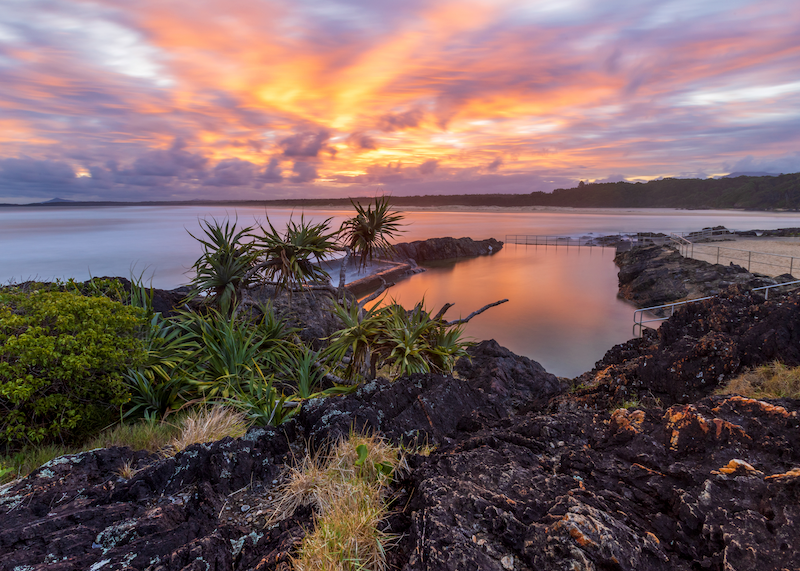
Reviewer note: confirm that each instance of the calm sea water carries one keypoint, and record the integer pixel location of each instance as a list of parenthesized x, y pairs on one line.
[(563, 309)]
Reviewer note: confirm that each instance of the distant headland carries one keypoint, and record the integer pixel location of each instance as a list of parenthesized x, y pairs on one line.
[(745, 192)]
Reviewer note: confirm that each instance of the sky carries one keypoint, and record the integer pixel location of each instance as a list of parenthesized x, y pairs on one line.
[(265, 99)]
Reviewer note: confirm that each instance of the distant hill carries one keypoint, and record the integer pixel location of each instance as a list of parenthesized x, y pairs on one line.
[(751, 173), (745, 192), (780, 192)]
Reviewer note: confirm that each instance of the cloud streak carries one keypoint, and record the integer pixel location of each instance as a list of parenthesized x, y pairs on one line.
[(152, 100)]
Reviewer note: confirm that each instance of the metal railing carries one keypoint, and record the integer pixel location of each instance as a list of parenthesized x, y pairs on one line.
[(722, 254), (640, 322), (541, 240)]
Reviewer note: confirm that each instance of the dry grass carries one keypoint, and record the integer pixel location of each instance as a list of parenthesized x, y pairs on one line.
[(137, 436), (775, 380), (346, 487), (127, 470), (209, 424)]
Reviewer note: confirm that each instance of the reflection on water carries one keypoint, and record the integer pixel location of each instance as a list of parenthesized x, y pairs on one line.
[(563, 309), (64, 242), (563, 312)]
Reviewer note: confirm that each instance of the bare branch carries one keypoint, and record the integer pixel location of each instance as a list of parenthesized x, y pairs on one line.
[(442, 311), (252, 271), (474, 313), (342, 269)]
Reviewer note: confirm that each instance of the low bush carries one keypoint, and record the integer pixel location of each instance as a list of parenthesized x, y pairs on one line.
[(62, 361)]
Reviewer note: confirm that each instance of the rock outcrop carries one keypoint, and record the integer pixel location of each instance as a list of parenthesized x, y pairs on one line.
[(710, 485), (434, 409), (445, 249), (714, 485), (704, 344), (655, 275)]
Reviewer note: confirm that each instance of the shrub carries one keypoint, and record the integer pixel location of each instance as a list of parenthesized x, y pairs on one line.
[(223, 271), (390, 336), (62, 360)]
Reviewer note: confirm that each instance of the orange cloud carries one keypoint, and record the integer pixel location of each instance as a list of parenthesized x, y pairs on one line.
[(331, 94)]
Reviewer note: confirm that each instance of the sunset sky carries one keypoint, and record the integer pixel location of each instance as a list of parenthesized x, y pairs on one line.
[(174, 99)]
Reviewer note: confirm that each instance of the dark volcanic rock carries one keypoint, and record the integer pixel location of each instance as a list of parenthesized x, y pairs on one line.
[(708, 486), (436, 408), (655, 275), (445, 249), (78, 513), (704, 344)]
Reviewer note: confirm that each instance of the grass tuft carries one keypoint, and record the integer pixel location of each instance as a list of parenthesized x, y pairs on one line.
[(127, 471), (775, 380), (347, 488), (152, 437), (209, 424)]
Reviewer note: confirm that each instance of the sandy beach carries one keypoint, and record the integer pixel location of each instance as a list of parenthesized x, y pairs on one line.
[(770, 256)]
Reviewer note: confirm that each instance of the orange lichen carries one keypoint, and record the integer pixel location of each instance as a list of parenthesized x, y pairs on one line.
[(646, 469), (790, 475), (625, 420), (737, 467), (757, 404), (580, 538), (683, 418)]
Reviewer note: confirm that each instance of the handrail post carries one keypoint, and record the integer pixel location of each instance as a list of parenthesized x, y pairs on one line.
[(749, 256), (717, 254)]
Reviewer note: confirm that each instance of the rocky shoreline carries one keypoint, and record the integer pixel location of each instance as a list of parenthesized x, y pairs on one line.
[(655, 275), (406, 257), (635, 465)]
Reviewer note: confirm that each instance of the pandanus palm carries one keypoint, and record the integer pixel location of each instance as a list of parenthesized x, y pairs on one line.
[(223, 270), (368, 233), (291, 260)]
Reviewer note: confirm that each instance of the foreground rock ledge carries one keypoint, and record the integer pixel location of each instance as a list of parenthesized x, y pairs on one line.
[(712, 484)]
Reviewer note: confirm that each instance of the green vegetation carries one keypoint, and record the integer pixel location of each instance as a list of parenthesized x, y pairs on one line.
[(774, 381), (223, 270), (63, 357), (743, 192), (369, 232), (290, 260), (78, 357), (391, 337)]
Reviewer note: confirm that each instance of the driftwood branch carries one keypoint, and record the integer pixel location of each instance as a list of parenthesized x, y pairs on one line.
[(442, 311), (474, 313)]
